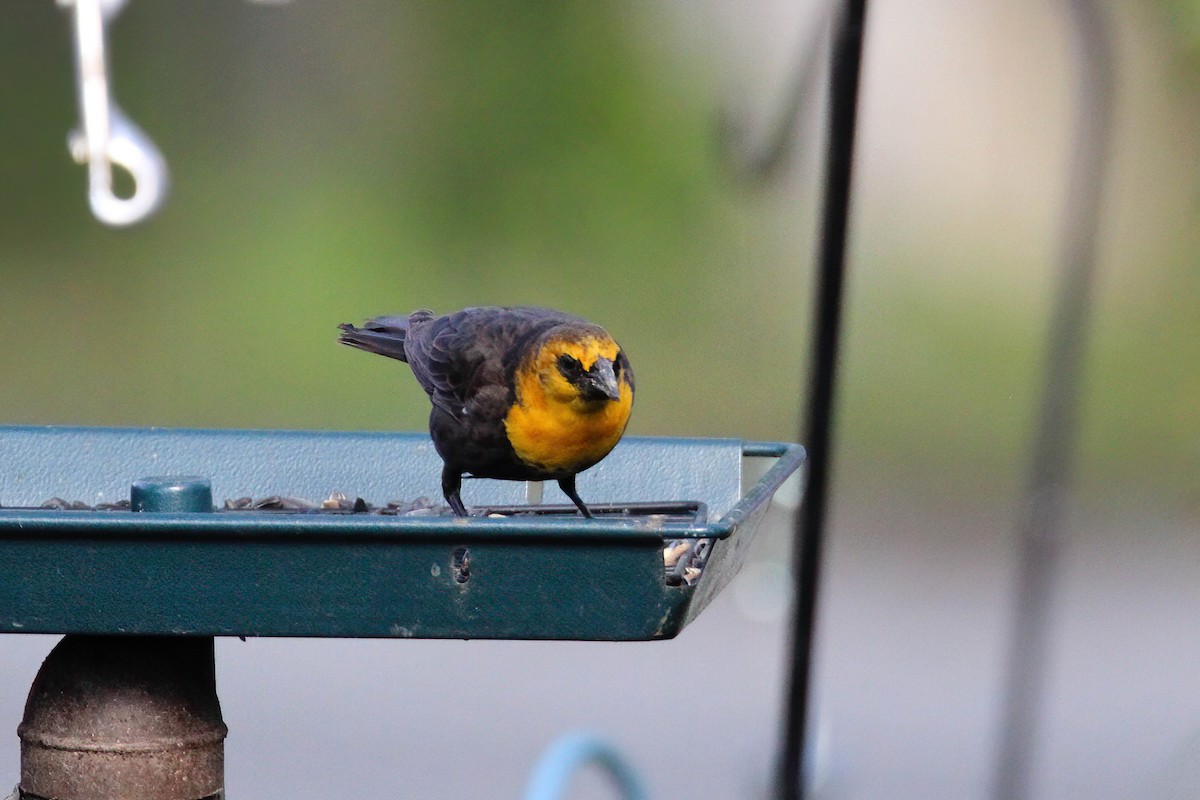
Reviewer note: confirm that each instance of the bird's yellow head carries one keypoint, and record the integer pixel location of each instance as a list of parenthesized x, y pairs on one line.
[(584, 372), (574, 393)]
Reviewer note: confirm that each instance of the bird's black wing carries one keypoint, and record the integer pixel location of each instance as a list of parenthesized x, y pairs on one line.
[(460, 355), (426, 341)]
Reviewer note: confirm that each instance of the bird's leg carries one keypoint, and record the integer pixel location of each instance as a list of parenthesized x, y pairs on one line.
[(451, 486), (567, 484)]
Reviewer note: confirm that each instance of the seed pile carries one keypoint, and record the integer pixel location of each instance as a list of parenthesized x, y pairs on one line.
[(683, 559), (79, 505), (338, 502)]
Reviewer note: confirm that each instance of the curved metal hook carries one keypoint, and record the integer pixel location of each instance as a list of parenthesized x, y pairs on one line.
[(107, 137), (127, 147), (762, 154)]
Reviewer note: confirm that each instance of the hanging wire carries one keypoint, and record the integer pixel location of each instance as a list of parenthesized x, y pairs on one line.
[(846, 60), (1048, 489)]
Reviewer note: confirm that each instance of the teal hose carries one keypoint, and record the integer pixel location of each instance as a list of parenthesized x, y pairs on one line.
[(571, 753)]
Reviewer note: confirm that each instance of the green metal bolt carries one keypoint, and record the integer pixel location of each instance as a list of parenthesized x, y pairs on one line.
[(173, 494)]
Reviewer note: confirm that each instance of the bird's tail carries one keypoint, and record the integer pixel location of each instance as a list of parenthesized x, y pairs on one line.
[(382, 335)]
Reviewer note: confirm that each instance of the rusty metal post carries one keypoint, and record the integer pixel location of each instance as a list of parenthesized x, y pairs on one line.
[(128, 717), (124, 718)]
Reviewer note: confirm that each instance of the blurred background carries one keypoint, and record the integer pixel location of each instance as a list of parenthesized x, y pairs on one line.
[(332, 162)]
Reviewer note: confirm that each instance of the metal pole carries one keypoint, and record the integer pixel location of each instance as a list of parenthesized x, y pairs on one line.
[(1048, 489), (810, 521), (114, 717)]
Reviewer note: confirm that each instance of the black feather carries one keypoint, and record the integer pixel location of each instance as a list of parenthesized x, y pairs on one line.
[(384, 341)]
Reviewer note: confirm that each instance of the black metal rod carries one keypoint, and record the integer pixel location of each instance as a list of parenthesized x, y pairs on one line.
[(1047, 492), (846, 59)]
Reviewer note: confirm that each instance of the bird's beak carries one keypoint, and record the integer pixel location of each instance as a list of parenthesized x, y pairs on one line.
[(602, 382)]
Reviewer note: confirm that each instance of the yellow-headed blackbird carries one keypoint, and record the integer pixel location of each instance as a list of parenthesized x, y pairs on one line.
[(518, 393)]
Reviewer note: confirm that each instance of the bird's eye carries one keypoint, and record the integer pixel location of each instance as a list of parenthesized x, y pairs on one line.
[(617, 364), (569, 365)]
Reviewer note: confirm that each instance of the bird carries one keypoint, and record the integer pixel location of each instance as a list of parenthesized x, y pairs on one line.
[(517, 392)]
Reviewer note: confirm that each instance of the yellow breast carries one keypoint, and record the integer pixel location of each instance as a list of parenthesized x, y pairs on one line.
[(553, 429)]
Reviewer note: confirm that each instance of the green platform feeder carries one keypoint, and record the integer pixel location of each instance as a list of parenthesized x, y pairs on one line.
[(127, 531)]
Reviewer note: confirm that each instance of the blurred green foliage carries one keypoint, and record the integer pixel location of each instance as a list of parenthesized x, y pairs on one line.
[(409, 155), (334, 162)]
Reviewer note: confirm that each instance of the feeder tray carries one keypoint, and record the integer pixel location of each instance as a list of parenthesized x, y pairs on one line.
[(528, 572)]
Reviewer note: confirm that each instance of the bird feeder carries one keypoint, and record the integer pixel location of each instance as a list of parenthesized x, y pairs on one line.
[(157, 535), (82, 555)]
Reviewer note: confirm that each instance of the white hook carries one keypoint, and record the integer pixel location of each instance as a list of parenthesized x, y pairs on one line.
[(106, 136)]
